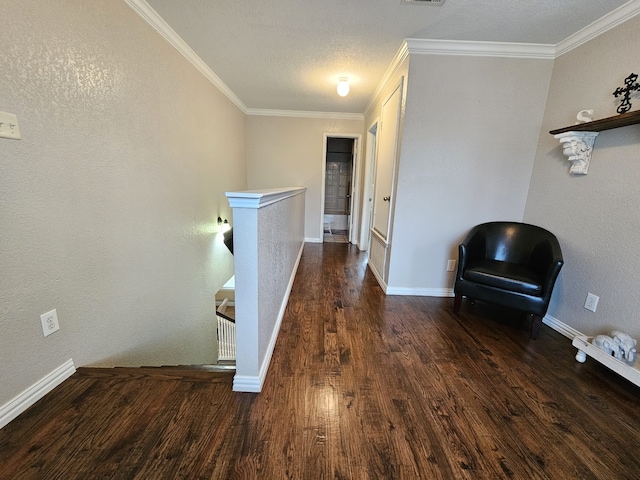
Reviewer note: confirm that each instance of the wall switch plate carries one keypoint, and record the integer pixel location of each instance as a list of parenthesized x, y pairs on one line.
[(9, 126), (49, 322), (592, 302), (451, 265)]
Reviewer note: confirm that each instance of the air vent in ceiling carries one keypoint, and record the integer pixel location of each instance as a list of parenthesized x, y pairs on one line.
[(436, 3)]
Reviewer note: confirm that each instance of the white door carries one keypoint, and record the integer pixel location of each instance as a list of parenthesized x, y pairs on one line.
[(385, 162)]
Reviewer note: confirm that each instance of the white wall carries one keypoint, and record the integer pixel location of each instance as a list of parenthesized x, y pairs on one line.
[(268, 242), (469, 140), (596, 217), (109, 201), (286, 151)]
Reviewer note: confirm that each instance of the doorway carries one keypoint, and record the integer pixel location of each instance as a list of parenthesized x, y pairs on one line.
[(338, 189)]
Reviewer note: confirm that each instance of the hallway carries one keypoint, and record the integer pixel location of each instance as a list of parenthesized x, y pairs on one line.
[(360, 386)]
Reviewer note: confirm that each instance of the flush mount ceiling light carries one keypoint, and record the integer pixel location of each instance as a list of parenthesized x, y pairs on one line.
[(343, 86)]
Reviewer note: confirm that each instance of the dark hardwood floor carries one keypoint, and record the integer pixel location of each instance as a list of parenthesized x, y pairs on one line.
[(361, 386)]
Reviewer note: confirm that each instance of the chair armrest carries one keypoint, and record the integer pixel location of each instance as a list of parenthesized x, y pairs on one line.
[(473, 247), (547, 260)]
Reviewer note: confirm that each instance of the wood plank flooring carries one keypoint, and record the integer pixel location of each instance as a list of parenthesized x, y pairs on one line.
[(361, 386)]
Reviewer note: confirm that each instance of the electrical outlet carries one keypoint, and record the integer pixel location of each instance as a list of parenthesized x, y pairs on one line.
[(49, 322), (592, 302), (451, 265), (9, 126)]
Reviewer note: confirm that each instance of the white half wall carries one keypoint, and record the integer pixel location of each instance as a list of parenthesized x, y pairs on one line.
[(268, 238)]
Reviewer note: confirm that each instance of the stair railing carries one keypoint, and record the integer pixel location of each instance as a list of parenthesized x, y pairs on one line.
[(226, 334)]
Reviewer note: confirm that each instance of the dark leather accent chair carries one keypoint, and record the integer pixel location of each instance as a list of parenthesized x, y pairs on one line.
[(510, 264)]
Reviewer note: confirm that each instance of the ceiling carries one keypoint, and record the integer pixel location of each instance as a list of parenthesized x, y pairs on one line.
[(288, 54)]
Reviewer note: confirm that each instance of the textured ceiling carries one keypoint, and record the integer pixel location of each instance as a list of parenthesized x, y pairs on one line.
[(288, 54)]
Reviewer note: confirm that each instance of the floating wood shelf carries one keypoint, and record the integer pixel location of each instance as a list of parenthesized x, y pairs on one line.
[(617, 121)]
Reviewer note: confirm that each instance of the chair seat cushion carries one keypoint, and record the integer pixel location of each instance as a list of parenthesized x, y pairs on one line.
[(505, 275)]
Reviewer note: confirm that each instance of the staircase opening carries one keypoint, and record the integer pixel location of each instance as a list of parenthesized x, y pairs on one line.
[(226, 338), (225, 314)]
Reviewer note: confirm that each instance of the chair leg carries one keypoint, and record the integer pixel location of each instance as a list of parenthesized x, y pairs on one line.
[(457, 301), (535, 326)]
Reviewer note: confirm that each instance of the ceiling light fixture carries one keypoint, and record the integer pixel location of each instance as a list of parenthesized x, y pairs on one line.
[(343, 86)]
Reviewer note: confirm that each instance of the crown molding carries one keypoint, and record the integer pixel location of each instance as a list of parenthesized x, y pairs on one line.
[(401, 55), (480, 49), (259, 112), (409, 46), (148, 14), (600, 26)]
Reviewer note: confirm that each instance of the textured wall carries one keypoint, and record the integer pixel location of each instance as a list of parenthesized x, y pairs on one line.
[(109, 201), (468, 146), (285, 152), (595, 217), (267, 242)]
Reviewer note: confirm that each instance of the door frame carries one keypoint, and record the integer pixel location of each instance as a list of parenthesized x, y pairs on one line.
[(369, 179), (355, 206), (394, 160)]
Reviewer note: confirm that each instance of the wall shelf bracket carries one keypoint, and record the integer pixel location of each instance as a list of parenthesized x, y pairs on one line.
[(577, 140), (578, 147)]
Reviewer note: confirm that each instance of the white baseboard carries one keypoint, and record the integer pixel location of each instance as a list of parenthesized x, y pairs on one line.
[(35, 392), (313, 240), (420, 292), (561, 327), (378, 276), (247, 383)]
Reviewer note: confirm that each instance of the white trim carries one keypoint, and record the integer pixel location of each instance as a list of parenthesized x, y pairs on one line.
[(367, 182), (356, 195), (410, 45), (313, 240), (261, 198), (248, 383), (379, 235), (149, 15), (357, 143), (378, 276), (304, 114), (480, 49), (420, 292), (35, 392), (561, 327), (600, 26), (400, 57)]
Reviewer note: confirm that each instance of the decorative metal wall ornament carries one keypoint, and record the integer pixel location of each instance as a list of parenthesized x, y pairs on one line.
[(630, 86)]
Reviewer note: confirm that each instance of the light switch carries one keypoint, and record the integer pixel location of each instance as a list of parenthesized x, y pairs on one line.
[(9, 126)]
